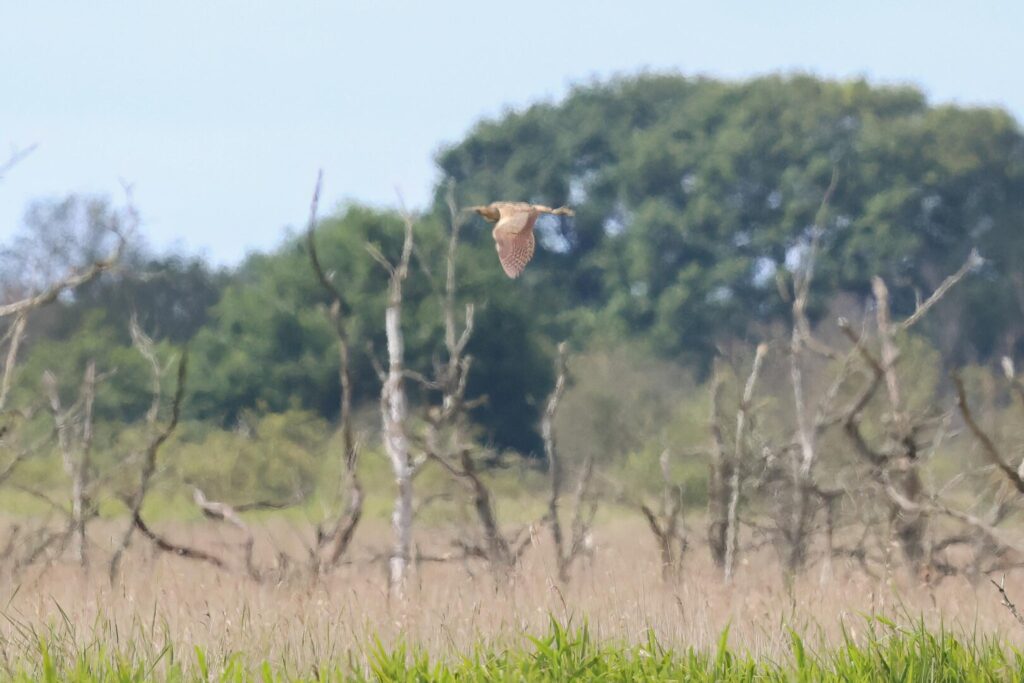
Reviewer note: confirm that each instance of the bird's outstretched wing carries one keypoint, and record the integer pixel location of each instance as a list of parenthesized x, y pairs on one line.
[(513, 237), (515, 249)]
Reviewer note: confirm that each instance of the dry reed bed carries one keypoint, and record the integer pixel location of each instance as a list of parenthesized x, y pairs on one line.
[(161, 600)]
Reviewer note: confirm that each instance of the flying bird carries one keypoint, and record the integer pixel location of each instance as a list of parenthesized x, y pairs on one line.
[(513, 234)]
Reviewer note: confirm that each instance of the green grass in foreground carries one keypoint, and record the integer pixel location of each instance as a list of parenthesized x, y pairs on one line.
[(890, 653)]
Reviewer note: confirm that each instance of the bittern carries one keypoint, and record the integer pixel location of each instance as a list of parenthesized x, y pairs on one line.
[(513, 234)]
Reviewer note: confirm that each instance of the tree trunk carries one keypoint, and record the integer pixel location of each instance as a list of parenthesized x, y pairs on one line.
[(719, 473), (803, 468), (394, 409), (497, 548), (80, 481)]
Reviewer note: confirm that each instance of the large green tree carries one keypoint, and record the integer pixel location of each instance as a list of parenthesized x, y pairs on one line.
[(692, 193)]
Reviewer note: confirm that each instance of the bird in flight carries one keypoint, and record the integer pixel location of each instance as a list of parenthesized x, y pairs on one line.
[(513, 232)]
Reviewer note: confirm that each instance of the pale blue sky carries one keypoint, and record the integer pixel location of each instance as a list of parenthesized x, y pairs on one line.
[(220, 112)]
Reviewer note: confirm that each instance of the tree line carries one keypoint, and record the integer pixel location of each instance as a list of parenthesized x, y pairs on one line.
[(694, 199), (846, 247)]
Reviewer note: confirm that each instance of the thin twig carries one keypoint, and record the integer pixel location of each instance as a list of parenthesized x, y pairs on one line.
[(1007, 603)]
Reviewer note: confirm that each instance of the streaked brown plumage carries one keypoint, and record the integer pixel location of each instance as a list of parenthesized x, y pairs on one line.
[(513, 232)]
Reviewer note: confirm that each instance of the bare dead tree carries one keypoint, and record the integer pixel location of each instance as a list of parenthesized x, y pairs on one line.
[(667, 523), (584, 504), (451, 376), (394, 412), (74, 428), (158, 435), (343, 530), (19, 311), (742, 424), (910, 525), (803, 485), (75, 447), (895, 465)]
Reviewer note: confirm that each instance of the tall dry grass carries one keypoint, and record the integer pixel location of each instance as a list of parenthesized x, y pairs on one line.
[(162, 600)]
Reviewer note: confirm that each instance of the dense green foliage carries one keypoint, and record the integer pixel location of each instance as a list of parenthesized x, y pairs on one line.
[(693, 197), (691, 194), (887, 653)]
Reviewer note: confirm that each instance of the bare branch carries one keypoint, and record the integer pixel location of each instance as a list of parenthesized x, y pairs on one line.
[(14, 337), (742, 419), (889, 353), (219, 511), (75, 279), (39, 495), (987, 445), (378, 256), (173, 548), (17, 156), (23, 455), (973, 261), (804, 275), (144, 345), (326, 282), (149, 456)]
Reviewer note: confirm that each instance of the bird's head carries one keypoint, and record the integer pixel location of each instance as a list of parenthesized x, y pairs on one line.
[(488, 212)]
